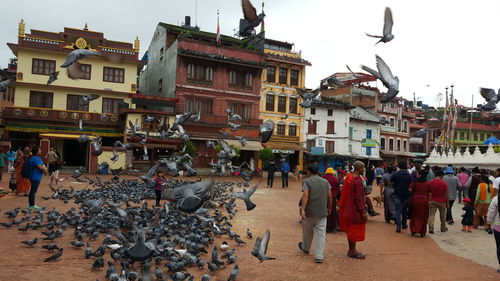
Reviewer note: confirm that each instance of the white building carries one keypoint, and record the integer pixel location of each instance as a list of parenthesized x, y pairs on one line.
[(364, 134)]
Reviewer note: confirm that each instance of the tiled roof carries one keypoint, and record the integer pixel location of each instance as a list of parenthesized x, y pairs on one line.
[(331, 103), (476, 126), (364, 115)]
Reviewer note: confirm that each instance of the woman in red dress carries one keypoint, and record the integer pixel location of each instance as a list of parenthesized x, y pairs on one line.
[(23, 185), (331, 224), (420, 204)]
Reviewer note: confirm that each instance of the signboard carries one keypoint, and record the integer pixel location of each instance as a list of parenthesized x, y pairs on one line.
[(317, 150), (416, 140), (283, 151), (368, 143)]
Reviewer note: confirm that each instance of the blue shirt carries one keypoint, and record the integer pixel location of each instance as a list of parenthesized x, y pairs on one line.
[(2, 160), (285, 167), (35, 174), (11, 155), (401, 183)]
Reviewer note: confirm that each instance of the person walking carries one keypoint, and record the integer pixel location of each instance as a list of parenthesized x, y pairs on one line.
[(430, 172), (316, 205), (388, 193), (401, 180), (468, 216), (271, 169), (352, 210), (159, 183), (285, 170), (453, 185), (37, 169), (11, 158), (438, 201), (379, 173), (473, 183), (496, 181), (23, 184), (54, 166), (419, 204), (332, 219), (2, 163), (493, 219), (482, 201), (463, 178)]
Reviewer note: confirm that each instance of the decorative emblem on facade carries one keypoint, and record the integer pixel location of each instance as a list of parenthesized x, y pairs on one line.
[(86, 116), (75, 115), (17, 111), (81, 43), (104, 117), (30, 112), (63, 115), (44, 113), (114, 118)]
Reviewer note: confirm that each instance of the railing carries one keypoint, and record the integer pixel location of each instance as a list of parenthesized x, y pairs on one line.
[(57, 115), (281, 138)]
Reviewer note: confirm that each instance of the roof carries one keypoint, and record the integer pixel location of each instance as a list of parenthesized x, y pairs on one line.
[(288, 59), (202, 34), (331, 103), (362, 114), (416, 126), (476, 127)]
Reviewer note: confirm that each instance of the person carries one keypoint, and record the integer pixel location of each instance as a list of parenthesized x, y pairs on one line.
[(23, 184), (11, 158), (331, 222), (271, 169), (2, 163), (414, 172), (285, 169), (54, 167), (379, 173), (388, 193), (352, 211), (159, 183), (463, 178), (438, 201), (493, 219), (420, 204), (482, 201), (401, 180), (430, 172), (473, 183), (37, 169), (468, 216), (496, 182), (316, 205), (453, 184)]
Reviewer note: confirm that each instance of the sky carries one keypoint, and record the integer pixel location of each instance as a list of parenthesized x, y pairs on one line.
[(437, 43)]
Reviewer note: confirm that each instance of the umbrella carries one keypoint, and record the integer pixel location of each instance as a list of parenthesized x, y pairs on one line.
[(491, 140)]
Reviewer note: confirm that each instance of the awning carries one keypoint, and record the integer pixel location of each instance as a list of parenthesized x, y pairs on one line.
[(157, 146), (284, 146), (250, 146), (395, 153), (63, 136), (203, 138)]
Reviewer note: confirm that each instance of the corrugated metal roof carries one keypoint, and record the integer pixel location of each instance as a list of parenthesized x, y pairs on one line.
[(362, 114)]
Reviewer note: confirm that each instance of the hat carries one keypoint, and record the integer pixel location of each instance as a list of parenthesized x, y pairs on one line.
[(26, 150), (448, 170), (330, 171), (467, 200)]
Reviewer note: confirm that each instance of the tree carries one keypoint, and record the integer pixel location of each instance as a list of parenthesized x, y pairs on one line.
[(266, 155), (190, 148)]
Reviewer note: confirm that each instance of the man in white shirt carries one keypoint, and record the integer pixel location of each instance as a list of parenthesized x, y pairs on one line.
[(496, 181)]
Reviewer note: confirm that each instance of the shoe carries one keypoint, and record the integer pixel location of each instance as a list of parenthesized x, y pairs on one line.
[(35, 207), (413, 234), (398, 229), (330, 231), (444, 230), (404, 226), (300, 247), (498, 270), (490, 231), (318, 261), (464, 230), (431, 231)]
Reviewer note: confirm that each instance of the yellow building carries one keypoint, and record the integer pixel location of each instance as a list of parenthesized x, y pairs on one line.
[(48, 114), (285, 72)]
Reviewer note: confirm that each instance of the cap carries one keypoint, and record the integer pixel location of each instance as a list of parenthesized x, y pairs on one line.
[(330, 171)]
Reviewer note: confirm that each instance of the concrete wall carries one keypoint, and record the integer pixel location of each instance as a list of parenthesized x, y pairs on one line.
[(360, 128), (107, 155), (341, 136)]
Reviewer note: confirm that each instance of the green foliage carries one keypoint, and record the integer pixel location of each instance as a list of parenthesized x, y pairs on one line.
[(218, 148), (496, 149), (266, 155), (190, 148)]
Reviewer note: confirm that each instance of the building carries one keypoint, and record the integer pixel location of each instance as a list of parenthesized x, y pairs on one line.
[(198, 75), (285, 72), (47, 115), (467, 134), (364, 135)]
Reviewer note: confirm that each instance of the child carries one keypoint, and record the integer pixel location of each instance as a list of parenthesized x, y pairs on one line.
[(468, 216), (160, 182)]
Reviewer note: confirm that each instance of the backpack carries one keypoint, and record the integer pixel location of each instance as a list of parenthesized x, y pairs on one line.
[(26, 170)]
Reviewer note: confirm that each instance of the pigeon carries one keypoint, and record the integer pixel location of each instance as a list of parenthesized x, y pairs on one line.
[(260, 248), (284, 117), (332, 82), (3, 85), (97, 145), (249, 234), (307, 97), (159, 273), (231, 259), (224, 246), (233, 274), (85, 100), (78, 55), (52, 77), (123, 146), (77, 244), (83, 138), (87, 251), (77, 173), (111, 269), (115, 156), (148, 177), (385, 75), (55, 256), (79, 124), (133, 128), (50, 247), (243, 141), (235, 117), (195, 118), (150, 119), (491, 98), (245, 196), (266, 131), (205, 277), (238, 240), (234, 127), (251, 19), (31, 242), (387, 32)]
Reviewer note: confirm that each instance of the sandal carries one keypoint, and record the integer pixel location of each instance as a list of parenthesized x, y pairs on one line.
[(356, 255)]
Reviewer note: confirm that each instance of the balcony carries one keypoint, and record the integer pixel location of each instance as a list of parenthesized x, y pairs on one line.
[(283, 138)]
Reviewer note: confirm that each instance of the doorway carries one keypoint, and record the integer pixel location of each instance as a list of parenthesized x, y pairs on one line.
[(74, 154)]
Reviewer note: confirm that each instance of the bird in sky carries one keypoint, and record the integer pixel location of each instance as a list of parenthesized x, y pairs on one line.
[(387, 31)]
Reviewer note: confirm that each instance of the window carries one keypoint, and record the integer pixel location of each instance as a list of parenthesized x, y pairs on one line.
[(399, 145), (41, 99), (271, 74), (294, 77), (209, 74), (111, 105), (191, 74), (475, 136), (330, 112), (310, 144), (292, 130), (282, 104), (269, 102), (368, 134), (161, 54), (43, 67), (399, 125), (392, 105), (405, 145), (150, 126), (462, 135), (351, 133), (384, 119), (382, 143), (467, 136), (391, 122), (202, 106), (313, 111), (240, 80), (160, 86), (293, 105), (391, 144), (330, 127), (349, 147), (281, 129), (481, 136), (248, 80), (405, 126), (312, 124), (115, 75), (283, 75), (200, 74), (73, 103), (87, 69), (330, 147), (368, 151), (244, 110)]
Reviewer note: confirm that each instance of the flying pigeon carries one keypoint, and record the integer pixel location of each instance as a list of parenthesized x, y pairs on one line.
[(97, 145), (251, 19), (332, 82), (189, 198), (491, 98), (85, 100), (307, 97), (52, 77), (78, 55), (234, 127), (387, 32), (115, 156), (266, 131), (385, 75), (123, 146), (79, 124), (245, 196), (260, 247), (148, 177), (3, 85)]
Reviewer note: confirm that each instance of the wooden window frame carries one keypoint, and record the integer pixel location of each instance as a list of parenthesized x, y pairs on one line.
[(292, 108), (273, 80), (117, 101), (273, 103), (312, 127), (312, 111), (280, 129), (50, 69), (329, 112), (330, 147), (50, 98), (294, 81), (113, 75), (88, 75), (391, 144), (79, 106), (382, 144), (292, 128), (280, 80), (330, 127), (281, 106), (243, 109)]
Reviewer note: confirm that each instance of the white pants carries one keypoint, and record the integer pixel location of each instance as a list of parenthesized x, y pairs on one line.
[(55, 174), (311, 227)]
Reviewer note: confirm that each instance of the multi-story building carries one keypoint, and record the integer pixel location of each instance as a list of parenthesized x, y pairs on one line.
[(467, 134), (199, 75), (47, 115), (279, 103), (364, 134)]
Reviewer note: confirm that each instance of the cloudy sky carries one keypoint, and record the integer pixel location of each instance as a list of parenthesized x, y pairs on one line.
[(437, 43)]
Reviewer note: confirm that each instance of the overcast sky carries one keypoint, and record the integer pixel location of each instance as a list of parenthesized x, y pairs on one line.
[(436, 43)]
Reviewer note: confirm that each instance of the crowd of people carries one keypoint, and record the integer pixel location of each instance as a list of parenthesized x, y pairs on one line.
[(340, 201)]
